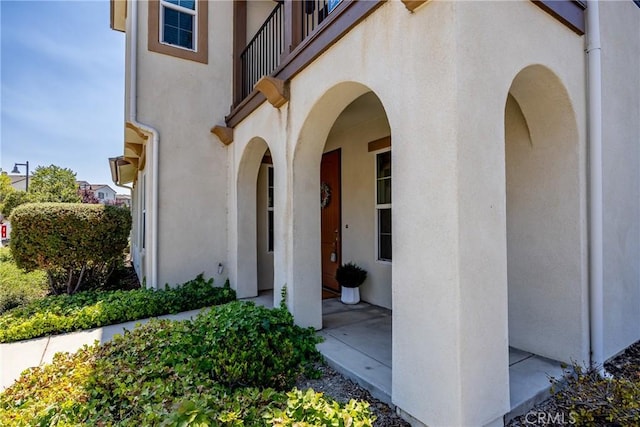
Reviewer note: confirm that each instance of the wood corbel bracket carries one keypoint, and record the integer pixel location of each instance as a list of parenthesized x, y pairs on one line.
[(412, 5), (224, 134), (275, 90)]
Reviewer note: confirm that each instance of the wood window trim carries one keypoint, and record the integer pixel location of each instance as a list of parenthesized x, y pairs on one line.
[(379, 144), (202, 43)]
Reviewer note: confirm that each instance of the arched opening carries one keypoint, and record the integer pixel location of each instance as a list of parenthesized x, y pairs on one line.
[(342, 204), (255, 220), (360, 230), (545, 227)]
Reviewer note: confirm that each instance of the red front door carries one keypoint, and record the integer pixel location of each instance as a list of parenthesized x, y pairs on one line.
[(330, 218)]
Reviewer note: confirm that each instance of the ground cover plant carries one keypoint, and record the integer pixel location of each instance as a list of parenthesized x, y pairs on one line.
[(590, 399), (172, 373), (582, 397), (66, 313), (16, 286)]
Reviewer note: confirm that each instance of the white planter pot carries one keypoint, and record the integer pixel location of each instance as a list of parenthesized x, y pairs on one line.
[(350, 295)]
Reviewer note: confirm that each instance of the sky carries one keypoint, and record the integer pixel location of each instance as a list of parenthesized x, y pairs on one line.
[(62, 87)]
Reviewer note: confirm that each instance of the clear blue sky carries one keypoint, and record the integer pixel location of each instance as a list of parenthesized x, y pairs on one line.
[(62, 92)]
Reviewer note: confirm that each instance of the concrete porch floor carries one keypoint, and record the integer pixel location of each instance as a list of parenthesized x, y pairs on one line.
[(358, 345)]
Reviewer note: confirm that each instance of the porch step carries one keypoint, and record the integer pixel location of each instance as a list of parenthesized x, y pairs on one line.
[(357, 366), (529, 383)]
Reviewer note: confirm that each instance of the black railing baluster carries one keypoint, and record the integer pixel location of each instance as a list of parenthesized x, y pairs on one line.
[(263, 53), (259, 57)]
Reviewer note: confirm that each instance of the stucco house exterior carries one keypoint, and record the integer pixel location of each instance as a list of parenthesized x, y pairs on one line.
[(481, 161), (105, 194), (19, 182)]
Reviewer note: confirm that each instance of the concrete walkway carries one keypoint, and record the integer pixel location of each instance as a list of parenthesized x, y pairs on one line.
[(358, 345)]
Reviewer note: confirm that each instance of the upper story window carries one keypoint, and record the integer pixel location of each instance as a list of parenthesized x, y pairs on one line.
[(179, 28), (178, 23)]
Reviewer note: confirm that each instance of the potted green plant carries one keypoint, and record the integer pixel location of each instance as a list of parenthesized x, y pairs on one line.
[(350, 276)]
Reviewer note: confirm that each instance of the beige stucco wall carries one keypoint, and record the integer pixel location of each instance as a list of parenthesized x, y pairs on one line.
[(182, 99), (489, 59), (445, 109), (257, 12), (620, 34)]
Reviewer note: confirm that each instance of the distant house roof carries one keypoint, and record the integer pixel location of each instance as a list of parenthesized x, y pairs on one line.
[(85, 185), (17, 178), (102, 186)]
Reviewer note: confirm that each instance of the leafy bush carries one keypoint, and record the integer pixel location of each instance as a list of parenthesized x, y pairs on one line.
[(265, 348), (91, 309), (162, 373), (589, 399), (72, 242), (17, 287), (13, 200), (312, 409)]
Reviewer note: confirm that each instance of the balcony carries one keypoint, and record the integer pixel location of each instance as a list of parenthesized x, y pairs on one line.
[(291, 37), (296, 32)]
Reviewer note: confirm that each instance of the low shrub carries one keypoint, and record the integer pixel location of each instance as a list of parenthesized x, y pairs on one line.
[(313, 409), (589, 399), (66, 313), (164, 373), (18, 288), (265, 349)]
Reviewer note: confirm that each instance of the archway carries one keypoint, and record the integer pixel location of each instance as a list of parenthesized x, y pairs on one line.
[(255, 225), (349, 121), (545, 218)]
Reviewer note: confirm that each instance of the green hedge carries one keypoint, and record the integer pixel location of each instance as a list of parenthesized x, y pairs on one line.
[(163, 373), (72, 242), (91, 309)]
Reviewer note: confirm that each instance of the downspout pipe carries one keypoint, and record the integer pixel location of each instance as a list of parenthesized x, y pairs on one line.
[(133, 112), (594, 111)]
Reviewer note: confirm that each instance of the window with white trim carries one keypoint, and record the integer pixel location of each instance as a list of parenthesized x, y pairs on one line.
[(270, 208), (178, 23), (383, 205), (100, 195)]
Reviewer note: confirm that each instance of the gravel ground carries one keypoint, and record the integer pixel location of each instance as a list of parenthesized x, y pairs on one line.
[(626, 364), (341, 389)]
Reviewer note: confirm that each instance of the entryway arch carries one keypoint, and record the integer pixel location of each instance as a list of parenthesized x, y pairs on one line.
[(546, 221), (252, 170), (345, 120)]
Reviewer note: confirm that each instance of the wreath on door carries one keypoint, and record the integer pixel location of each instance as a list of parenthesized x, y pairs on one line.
[(325, 195)]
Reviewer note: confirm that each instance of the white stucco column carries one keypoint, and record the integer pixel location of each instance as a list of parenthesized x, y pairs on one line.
[(427, 339)]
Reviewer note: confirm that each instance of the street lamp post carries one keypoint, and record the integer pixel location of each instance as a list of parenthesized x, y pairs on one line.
[(15, 170)]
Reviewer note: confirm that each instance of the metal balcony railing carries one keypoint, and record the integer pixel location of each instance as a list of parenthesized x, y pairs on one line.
[(313, 13), (264, 52)]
